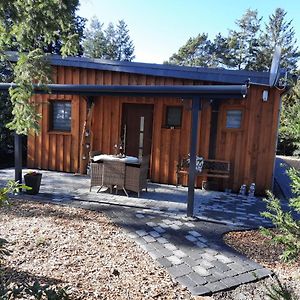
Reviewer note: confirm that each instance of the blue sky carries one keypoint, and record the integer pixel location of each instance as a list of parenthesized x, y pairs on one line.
[(159, 27)]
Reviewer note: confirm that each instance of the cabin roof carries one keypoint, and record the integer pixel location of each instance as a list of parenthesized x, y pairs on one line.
[(217, 75)]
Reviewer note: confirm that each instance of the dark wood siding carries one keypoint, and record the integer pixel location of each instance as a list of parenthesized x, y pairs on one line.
[(250, 150)]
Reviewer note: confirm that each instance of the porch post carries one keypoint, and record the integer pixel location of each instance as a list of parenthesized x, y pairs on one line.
[(196, 101), (18, 157)]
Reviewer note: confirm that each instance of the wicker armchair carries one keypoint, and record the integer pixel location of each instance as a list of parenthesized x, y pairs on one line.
[(136, 176), (96, 173), (114, 175)]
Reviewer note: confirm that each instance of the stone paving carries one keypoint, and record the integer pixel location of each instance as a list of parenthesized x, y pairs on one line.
[(192, 250)]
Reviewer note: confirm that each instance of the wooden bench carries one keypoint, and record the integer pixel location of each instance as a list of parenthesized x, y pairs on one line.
[(212, 168)]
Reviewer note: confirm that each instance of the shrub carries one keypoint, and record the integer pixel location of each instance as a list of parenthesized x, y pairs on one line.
[(286, 222)]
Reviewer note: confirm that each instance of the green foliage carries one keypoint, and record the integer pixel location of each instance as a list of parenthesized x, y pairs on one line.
[(289, 131), (110, 43), (35, 290), (124, 45), (248, 47), (31, 67), (6, 136), (30, 28), (94, 43), (243, 43), (287, 223), (278, 31), (279, 291), (11, 187), (196, 52), (290, 126)]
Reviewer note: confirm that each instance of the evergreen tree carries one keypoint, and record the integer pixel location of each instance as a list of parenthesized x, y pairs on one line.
[(6, 135), (124, 44), (246, 48), (78, 29), (278, 32), (243, 43), (111, 43), (29, 27), (95, 41), (196, 52), (111, 46), (220, 52)]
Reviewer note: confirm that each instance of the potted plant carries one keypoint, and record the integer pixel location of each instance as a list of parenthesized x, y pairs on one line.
[(33, 180)]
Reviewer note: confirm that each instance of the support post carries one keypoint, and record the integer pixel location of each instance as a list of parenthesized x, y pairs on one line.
[(193, 148), (18, 157)]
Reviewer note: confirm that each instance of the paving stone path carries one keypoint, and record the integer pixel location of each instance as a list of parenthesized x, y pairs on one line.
[(192, 250)]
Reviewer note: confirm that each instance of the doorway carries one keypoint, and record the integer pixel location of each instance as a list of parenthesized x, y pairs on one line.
[(137, 122)]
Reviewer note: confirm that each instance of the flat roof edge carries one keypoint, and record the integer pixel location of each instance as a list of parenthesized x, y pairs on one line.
[(161, 70)]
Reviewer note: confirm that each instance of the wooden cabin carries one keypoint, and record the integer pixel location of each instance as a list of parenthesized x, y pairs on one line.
[(241, 131)]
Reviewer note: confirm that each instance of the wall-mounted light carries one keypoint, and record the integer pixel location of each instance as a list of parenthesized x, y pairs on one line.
[(265, 95)]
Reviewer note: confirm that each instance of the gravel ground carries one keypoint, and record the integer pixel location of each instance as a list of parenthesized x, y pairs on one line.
[(83, 250), (257, 247)]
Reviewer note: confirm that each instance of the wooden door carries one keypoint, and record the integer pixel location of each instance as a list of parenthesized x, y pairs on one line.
[(137, 129)]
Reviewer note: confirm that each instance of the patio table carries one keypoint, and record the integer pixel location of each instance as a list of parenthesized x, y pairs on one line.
[(107, 157)]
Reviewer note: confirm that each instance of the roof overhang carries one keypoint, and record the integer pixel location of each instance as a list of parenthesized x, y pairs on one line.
[(216, 75)]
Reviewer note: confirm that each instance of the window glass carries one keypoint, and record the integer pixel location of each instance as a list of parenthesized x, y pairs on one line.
[(61, 115), (234, 118), (173, 116)]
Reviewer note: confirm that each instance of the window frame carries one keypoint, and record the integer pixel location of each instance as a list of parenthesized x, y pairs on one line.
[(166, 112), (228, 108), (51, 128)]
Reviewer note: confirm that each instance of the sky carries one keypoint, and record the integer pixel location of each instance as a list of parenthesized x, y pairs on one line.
[(159, 28)]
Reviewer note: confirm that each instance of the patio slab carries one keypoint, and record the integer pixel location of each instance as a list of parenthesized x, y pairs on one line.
[(192, 250), (225, 208)]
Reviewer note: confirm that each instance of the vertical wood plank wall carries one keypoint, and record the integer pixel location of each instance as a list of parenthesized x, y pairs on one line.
[(250, 150)]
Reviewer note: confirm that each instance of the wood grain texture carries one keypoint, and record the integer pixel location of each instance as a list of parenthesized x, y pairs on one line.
[(251, 150)]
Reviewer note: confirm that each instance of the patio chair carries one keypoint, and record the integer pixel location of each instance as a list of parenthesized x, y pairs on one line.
[(96, 173), (136, 176), (114, 175)]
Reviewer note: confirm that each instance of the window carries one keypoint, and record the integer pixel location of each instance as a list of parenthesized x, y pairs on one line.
[(173, 116), (61, 115), (234, 119)]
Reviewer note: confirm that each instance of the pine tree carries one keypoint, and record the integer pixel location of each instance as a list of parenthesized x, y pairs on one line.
[(95, 41), (243, 43), (111, 46), (196, 52), (124, 44), (112, 43), (278, 32)]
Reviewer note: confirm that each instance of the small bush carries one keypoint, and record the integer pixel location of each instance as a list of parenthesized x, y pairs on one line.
[(279, 291), (11, 187), (287, 223)]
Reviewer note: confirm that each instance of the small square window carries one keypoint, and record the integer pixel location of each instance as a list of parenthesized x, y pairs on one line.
[(173, 116), (234, 119), (61, 115)]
